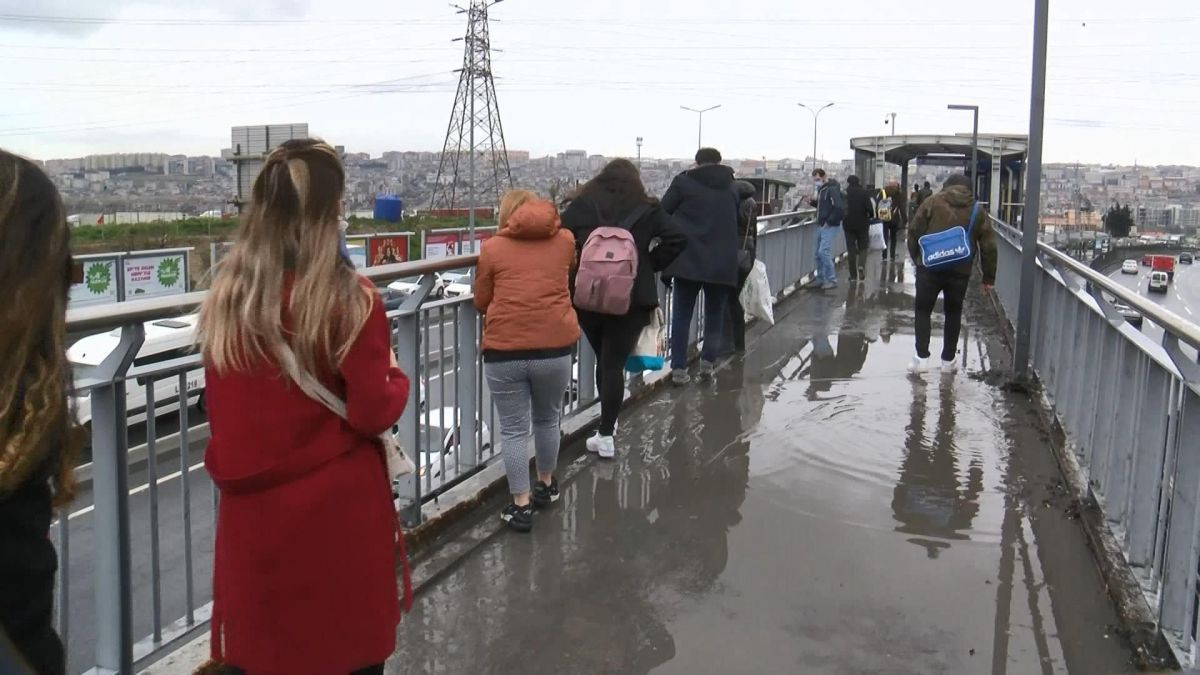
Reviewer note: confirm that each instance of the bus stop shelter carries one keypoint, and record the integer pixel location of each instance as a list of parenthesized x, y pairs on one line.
[(1000, 171)]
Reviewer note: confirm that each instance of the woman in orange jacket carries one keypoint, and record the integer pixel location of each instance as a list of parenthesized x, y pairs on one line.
[(529, 331)]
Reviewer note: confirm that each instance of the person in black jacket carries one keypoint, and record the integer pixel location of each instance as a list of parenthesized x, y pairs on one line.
[(860, 211), (705, 203), (605, 200), (37, 431), (747, 253)]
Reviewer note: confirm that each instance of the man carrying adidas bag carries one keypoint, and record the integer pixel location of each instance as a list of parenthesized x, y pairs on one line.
[(949, 231)]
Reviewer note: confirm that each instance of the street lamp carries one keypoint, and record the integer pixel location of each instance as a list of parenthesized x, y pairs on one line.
[(974, 142), (816, 114), (700, 114), (639, 144)]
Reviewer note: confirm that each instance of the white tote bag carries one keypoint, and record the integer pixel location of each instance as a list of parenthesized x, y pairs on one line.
[(756, 294), (877, 240), (650, 351)]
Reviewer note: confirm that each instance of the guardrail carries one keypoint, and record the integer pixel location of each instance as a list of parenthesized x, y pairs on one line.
[(135, 563), (1131, 411)]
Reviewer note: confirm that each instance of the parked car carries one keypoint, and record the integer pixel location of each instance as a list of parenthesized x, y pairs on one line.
[(442, 429), (1129, 267), (165, 340), (409, 285), (1185, 258), (1159, 281), (1132, 316), (458, 283)]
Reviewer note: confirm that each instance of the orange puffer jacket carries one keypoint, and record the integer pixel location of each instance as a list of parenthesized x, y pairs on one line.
[(521, 286)]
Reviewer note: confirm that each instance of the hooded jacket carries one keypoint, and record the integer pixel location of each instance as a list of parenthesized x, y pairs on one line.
[(946, 209), (860, 211), (521, 286), (831, 207), (705, 203)]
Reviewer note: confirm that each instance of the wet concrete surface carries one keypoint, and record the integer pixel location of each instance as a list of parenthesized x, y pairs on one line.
[(813, 510)]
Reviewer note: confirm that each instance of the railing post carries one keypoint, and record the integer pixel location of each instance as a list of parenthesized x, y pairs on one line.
[(110, 494), (1033, 191), (470, 395), (407, 342)]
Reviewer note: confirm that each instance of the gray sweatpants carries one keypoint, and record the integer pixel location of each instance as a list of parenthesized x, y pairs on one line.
[(528, 393)]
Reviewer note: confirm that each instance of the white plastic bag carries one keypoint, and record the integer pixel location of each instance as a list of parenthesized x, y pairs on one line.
[(756, 294), (877, 241), (650, 351)]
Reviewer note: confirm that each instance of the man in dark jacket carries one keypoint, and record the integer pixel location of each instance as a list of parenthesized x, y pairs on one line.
[(831, 209), (948, 209), (898, 215), (860, 211), (704, 203), (926, 193), (747, 252)]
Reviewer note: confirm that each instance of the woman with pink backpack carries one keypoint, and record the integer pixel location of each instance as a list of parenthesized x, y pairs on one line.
[(614, 287)]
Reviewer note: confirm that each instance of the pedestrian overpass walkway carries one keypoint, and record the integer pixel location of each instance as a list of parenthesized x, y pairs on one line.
[(814, 509)]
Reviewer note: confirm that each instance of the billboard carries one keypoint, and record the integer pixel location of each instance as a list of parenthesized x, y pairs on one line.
[(96, 280), (387, 249), (155, 274), (439, 243), (482, 234)]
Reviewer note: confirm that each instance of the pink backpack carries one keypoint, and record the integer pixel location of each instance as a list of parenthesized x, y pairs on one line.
[(608, 267)]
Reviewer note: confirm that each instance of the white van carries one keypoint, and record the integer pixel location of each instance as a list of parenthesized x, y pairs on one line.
[(1159, 281), (166, 340)]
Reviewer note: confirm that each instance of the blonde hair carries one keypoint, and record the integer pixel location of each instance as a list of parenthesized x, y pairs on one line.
[(513, 200), (290, 233), (38, 433)]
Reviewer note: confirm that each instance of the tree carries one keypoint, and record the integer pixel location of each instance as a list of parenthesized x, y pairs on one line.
[(1118, 222)]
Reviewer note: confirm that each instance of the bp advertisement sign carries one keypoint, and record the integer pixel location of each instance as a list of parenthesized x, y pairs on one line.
[(96, 281), (152, 276)]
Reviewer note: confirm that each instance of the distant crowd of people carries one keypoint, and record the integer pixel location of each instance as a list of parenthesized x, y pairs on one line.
[(302, 380)]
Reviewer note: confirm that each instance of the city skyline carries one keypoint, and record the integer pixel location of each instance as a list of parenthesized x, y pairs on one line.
[(607, 75)]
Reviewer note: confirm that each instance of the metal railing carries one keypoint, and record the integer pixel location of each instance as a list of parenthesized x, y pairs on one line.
[(136, 558), (1131, 411)]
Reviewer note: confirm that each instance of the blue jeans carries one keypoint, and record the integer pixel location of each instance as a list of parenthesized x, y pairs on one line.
[(826, 272), (682, 308)]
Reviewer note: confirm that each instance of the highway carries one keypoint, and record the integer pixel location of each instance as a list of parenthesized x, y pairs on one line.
[(1182, 297)]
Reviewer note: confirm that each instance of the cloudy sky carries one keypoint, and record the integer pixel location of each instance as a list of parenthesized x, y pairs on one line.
[(87, 76)]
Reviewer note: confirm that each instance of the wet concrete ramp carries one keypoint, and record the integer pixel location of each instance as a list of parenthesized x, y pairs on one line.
[(813, 510)]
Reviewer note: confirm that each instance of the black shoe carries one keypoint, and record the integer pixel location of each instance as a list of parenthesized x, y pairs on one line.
[(519, 518), (544, 495)]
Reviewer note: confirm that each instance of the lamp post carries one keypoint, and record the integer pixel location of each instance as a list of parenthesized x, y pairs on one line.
[(893, 123), (700, 130), (816, 115), (1033, 193), (974, 141), (639, 144)]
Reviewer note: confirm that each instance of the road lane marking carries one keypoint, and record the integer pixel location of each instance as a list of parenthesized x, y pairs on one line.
[(137, 490)]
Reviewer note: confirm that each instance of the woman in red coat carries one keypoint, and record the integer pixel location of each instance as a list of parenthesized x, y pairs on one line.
[(304, 577)]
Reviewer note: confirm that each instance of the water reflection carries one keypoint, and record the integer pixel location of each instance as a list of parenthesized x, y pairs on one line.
[(931, 501)]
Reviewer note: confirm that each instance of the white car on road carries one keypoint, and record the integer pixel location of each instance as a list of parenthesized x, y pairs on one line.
[(458, 283), (166, 340), (1129, 267), (409, 285), (441, 428)]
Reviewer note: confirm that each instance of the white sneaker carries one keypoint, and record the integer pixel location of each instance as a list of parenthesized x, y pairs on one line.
[(950, 367), (604, 446), (918, 365)]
